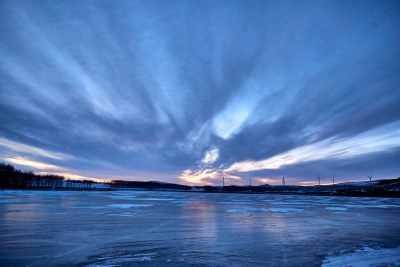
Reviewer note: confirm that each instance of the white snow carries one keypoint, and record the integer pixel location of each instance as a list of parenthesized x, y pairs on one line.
[(188, 201), (125, 206), (335, 208), (124, 214), (121, 197), (248, 209), (364, 183), (236, 203), (383, 206), (119, 260), (101, 185), (139, 198), (285, 210), (291, 203), (156, 199), (365, 257)]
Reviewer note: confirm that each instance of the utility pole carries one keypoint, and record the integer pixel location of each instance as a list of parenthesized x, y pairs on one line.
[(370, 177)]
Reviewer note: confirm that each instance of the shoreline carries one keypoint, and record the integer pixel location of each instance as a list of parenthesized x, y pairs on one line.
[(392, 194)]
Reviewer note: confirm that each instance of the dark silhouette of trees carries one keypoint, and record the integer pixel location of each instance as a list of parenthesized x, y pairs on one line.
[(152, 185), (10, 178)]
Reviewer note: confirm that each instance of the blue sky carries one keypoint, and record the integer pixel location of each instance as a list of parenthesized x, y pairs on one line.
[(188, 91)]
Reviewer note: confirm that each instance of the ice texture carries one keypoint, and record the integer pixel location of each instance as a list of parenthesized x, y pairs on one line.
[(365, 257), (153, 228)]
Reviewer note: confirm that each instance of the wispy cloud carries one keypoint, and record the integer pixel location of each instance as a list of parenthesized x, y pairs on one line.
[(381, 139), (18, 147), (32, 163), (73, 176), (211, 156), (205, 176)]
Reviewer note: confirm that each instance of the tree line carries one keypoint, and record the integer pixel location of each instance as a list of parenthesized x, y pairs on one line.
[(152, 185), (11, 178)]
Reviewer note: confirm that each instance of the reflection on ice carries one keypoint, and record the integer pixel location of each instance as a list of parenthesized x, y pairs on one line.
[(269, 209), (122, 228)]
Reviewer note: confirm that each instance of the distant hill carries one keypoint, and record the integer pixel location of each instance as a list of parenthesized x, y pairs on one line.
[(377, 188), (152, 185)]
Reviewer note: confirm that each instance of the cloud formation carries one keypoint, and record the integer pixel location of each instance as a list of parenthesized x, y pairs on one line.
[(32, 163), (190, 91), (381, 139), (211, 156)]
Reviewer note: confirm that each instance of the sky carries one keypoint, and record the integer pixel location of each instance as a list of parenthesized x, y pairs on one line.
[(192, 91)]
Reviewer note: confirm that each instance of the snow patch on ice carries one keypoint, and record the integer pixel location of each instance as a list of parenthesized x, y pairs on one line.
[(124, 214), (367, 183), (248, 209), (335, 208), (125, 206), (365, 257), (188, 201), (125, 259), (10, 201), (89, 207), (285, 209), (291, 203), (156, 199), (236, 203), (383, 206)]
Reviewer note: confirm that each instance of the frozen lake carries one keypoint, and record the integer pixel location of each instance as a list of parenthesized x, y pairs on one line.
[(122, 228)]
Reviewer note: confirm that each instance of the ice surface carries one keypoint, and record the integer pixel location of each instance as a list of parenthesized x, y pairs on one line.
[(270, 209), (235, 203), (248, 209), (365, 257), (117, 260), (123, 228), (126, 206), (285, 209), (188, 201)]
